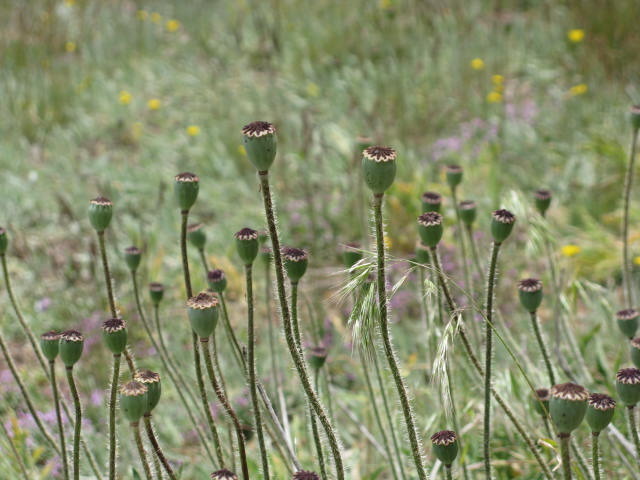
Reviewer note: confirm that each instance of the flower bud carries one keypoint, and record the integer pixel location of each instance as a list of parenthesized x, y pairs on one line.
[(468, 210), (186, 188), (203, 314), (568, 406), (628, 385), (600, 411), (133, 400), (260, 142), (379, 166), (156, 292), (502, 224), (423, 256), (635, 117), (542, 199), (431, 202), (351, 254), (454, 175), (305, 475), (224, 474), (217, 280), (530, 292), (635, 351), (430, 228), (296, 261), (114, 333), (196, 235), (445, 446), (540, 401), (100, 212), (247, 245), (50, 343), (71, 345), (152, 381), (628, 321), (4, 241), (317, 357), (132, 256)]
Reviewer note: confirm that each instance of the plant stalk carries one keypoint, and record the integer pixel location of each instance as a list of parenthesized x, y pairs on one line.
[(113, 399), (543, 349), (77, 428), (633, 429), (156, 447), (565, 451), (316, 436), (143, 456), (595, 454), (626, 262), (56, 403)]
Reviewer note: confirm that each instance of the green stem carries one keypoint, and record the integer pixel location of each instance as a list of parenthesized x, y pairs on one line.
[(286, 320), (228, 408), (56, 403), (156, 447), (294, 318), (447, 472), (316, 436), (156, 466), (113, 399), (183, 252), (595, 454), (77, 423), (252, 372), (488, 358), (143, 456), (565, 452), (14, 450), (272, 339), (626, 264), (543, 349), (386, 341), (231, 335), (633, 429), (203, 259)]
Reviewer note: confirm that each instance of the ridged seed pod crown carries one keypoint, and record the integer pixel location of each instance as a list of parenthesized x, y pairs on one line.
[(540, 401), (223, 474), (4, 241), (445, 446), (154, 387), (430, 228), (635, 351), (156, 292), (502, 222), (530, 293), (542, 199), (114, 333), (379, 168), (50, 344), (568, 406), (133, 400), (71, 346), (296, 261), (132, 257), (260, 142), (203, 314), (600, 411), (196, 235), (454, 175), (217, 280), (628, 385), (186, 186), (635, 117), (100, 213), (431, 202), (627, 321), (468, 211), (247, 245)]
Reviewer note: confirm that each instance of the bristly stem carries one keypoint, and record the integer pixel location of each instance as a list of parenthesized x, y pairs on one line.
[(143, 456), (183, 252), (14, 450), (272, 340), (386, 341), (633, 429), (252, 372), (286, 320), (565, 452), (543, 349), (156, 447), (626, 264), (595, 454), (316, 436), (56, 403), (294, 318), (77, 427), (113, 398), (237, 350), (491, 283)]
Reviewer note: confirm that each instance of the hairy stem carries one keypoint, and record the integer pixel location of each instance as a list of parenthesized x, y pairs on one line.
[(231, 335), (56, 403), (143, 456), (275, 371), (595, 454), (626, 264), (633, 429), (316, 436), (77, 423), (156, 447), (294, 318), (565, 452), (543, 348), (113, 398)]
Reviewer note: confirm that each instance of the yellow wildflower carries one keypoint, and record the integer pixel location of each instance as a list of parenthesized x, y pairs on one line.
[(154, 104), (142, 14), (388, 243), (193, 130), (636, 260), (156, 17), (172, 25), (477, 64), (313, 89), (494, 97), (570, 250), (385, 4), (578, 89), (242, 151), (497, 79), (575, 35), (124, 97), (70, 46), (69, 3)]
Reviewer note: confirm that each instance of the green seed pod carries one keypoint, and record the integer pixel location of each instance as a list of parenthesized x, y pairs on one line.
[(224, 474), (50, 343), (317, 357), (430, 228), (203, 314), (265, 255), (217, 280), (71, 345), (600, 411), (379, 166), (154, 388), (445, 446), (100, 212), (628, 385), (468, 211), (568, 406), (156, 292), (132, 256), (431, 202), (635, 117), (628, 321), (114, 333), (502, 224), (530, 292), (454, 175), (247, 245), (260, 142), (263, 236), (4, 241), (542, 200), (351, 254), (635, 351), (186, 188), (133, 400), (423, 255), (196, 235), (305, 475), (540, 401), (296, 261)]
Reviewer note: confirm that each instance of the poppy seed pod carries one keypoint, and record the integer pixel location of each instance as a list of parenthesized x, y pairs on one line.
[(540, 401), (317, 357), (635, 117), (627, 321), (71, 345), (133, 400), (265, 255), (263, 236), (224, 474), (50, 344), (430, 228), (186, 187), (600, 411), (628, 385), (296, 261), (431, 202), (351, 254), (132, 256), (445, 446), (114, 333), (501, 225), (305, 475), (100, 212), (542, 200), (196, 235), (260, 142), (247, 245), (217, 280), (379, 167), (635, 351), (156, 292), (203, 314), (454, 175), (530, 293), (154, 388), (468, 211), (568, 406), (423, 256), (4, 241)]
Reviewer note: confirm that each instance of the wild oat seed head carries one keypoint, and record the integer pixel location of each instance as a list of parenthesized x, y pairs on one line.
[(600, 401), (258, 129), (569, 391), (444, 437), (379, 154)]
